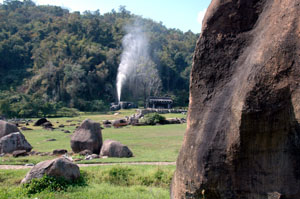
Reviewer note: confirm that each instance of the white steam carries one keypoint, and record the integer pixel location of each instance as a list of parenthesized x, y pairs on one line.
[(135, 48)]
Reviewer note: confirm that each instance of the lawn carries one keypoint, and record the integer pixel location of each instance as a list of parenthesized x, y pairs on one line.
[(160, 143), (132, 182)]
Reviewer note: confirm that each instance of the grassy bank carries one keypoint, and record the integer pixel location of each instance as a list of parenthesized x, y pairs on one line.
[(109, 182)]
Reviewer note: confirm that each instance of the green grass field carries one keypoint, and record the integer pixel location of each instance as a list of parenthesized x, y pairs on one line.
[(144, 182), (160, 143)]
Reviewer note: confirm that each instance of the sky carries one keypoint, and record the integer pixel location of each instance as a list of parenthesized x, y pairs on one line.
[(182, 14)]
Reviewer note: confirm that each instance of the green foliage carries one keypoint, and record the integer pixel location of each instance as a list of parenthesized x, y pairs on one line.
[(133, 175), (13, 104), (154, 118), (55, 56), (51, 184), (119, 176), (98, 186)]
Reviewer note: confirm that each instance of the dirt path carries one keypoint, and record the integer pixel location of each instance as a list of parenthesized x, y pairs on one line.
[(6, 167)]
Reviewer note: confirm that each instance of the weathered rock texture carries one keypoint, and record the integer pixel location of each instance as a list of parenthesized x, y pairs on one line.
[(113, 148), (87, 136), (7, 128), (243, 136), (13, 142), (59, 167)]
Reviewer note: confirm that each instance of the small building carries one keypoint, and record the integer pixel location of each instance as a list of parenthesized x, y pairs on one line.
[(160, 102)]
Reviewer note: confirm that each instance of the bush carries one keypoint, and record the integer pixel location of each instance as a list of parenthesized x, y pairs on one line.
[(120, 176), (52, 184), (66, 112), (154, 118)]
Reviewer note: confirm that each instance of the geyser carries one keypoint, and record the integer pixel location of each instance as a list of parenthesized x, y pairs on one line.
[(135, 47)]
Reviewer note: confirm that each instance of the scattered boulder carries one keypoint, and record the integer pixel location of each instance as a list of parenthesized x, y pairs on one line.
[(48, 125), (87, 136), (59, 167), (59, 151), (67, 131), (19, 153), (50, 140), (107, 123), (113, 148), (24, 128), (173, 121), (85, 152), (61, 126), (7, 128), (14, 142), (119, 123), (242, 139), (40, 122)]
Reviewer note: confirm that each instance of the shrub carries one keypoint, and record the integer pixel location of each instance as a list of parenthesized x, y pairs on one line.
[(154, 118), (52, 184), (67, 112), (120, 176)]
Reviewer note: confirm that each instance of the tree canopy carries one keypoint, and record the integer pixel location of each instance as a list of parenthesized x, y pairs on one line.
[(71, 59)]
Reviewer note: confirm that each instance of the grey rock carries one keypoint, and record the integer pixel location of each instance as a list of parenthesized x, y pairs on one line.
[(59, 151), (13, 142), (87, 136), (7, 128), (59, 167), (40, 122), (19, 153), (85, 152), (50, 140), (113, 148), (24, 128)]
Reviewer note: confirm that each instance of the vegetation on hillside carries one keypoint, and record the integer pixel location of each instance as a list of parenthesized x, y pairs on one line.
[(51, 58)]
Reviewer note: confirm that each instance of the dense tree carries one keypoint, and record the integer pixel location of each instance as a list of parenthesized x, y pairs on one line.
[(72, 58)]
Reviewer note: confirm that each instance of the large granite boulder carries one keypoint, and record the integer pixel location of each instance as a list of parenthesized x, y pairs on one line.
[(59, 167), (242, 139), (13, 142), (7, 128), (113, 148), (87, 136)]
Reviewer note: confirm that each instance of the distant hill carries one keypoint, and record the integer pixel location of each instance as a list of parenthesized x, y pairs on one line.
[(51, 56)]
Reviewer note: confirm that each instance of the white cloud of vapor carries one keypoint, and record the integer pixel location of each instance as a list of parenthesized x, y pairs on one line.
[(201, 15)]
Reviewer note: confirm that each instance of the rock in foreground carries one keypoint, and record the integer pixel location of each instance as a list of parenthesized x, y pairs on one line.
[(113, 148), (242, 139), (7, 128), (59, 167), (87, 136), (14, 142)]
